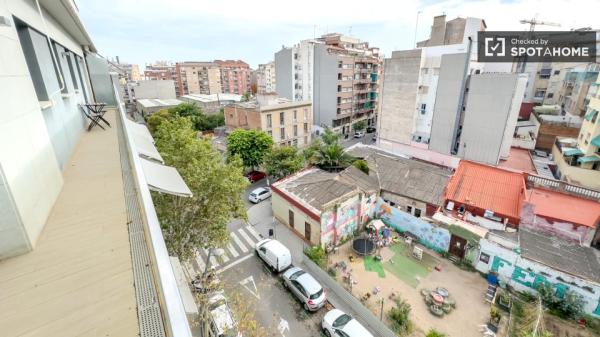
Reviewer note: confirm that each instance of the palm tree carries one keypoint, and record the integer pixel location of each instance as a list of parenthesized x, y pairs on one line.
[(330, 137), (332, 157)]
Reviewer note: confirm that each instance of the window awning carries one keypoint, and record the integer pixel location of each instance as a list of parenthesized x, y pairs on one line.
[(596, 141), (590, 115), (164, 179), (572, 152), (139, 129), (588, 159), (144, 144)]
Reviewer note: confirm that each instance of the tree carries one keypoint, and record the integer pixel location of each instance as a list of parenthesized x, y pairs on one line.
[(154, 120), (186, 110), (332, 157), (282, 161), (399, 317), (246, 96), (250, 145), (362, 165), (198, 222), (330, 137), (359, 126)]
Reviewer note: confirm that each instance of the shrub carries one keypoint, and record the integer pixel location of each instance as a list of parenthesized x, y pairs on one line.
[(332, 272), (434, 333), (362, 165), (569, 306), (317, 255), (399, 317)]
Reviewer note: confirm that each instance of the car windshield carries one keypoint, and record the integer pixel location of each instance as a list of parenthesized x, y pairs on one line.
[(217, 304), (341, 321), (296, 274), (317, 294), (252, 194)]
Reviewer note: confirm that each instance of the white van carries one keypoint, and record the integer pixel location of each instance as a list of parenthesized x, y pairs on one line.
[(275, 254)]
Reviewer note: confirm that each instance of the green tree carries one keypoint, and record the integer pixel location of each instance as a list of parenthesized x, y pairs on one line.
[(399, 318), (330, 137), (200, 221), (250, 145), (332, 157), (186, 110), (282, 161), (154, 120), (246, 96), (359, 126), (362, 165)]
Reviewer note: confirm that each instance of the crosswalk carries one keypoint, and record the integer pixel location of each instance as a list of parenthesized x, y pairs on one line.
[(239, 247)]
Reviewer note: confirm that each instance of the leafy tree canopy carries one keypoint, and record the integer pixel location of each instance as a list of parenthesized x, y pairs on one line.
[(359, 126), (250, 145), (282, 161), (362, 165)]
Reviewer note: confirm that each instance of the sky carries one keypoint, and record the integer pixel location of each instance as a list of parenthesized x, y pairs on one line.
[(144, 31)]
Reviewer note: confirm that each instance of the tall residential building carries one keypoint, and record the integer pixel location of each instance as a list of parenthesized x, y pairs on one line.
[(287, 122), (81, 249), (265, 78), (339, 74), (199, 78), (163, 70), (235, 76), (578, 159)]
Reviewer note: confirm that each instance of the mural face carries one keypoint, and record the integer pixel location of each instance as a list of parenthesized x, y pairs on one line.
[(432, 237)]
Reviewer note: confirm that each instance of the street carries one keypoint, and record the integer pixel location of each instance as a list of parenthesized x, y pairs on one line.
[(367, 139)]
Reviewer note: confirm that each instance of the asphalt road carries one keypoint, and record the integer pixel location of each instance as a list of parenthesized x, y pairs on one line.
[(367, 139)]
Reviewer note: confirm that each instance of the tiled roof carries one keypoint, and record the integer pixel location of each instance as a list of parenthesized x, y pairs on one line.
[(488, 188), (565, 207)]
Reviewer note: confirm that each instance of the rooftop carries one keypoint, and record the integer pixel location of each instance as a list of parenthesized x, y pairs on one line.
[(573, 209), (519, 160), (406, 177), (152, 103), (487, 187), (214, 97), (79, 279), (560, 254)]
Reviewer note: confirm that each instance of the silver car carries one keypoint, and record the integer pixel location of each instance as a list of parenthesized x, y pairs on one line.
[(305, 288)]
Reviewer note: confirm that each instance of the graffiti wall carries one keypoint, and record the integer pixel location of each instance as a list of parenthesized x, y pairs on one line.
[(527, 275), (431, 236), (344, 219)]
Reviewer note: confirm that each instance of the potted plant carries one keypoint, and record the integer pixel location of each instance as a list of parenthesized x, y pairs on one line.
[(504, 301), (494, 319)]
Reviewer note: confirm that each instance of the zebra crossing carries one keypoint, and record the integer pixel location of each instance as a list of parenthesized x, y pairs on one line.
[(239, 247)]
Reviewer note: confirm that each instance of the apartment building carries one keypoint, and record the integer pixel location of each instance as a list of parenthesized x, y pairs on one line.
[(339, 74), (163, 70), (265, 78), (81, 243), (199, 78), (146, 89), (212, 103), (287, 122), (235, 76), (127, 72), (578, 159)]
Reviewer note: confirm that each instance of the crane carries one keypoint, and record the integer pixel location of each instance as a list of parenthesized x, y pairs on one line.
[(532, 23)]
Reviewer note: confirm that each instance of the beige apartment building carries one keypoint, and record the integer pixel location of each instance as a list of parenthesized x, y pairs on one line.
[(199, 78), (287, 122)]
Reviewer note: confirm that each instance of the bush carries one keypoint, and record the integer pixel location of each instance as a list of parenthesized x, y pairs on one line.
[(399, 317), (332, 272), (569, 306), (362, 165), (435, 333), (317, 255)]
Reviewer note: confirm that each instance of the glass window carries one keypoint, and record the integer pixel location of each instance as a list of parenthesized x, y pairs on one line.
[(295, 130), (269, 121), (281, 118), (485, 258), (282, 133)]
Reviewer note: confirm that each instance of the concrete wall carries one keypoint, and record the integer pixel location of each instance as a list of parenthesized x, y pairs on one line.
[(35, 143), (281, 208), (284, 73), (155, 89), (526, 275), (513, 115), (447, 110), (325, 86), (572, 174), (399, 94), (486, 115)]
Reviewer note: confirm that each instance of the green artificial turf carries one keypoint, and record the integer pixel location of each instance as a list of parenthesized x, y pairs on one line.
[(407, 268), (371, 264)]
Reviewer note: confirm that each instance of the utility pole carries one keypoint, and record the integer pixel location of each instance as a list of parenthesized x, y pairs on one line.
[(416, 27), (381, 311)]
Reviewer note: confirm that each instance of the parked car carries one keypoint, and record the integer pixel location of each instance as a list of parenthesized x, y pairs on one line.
[(337, 323), (370, 129), (259, 194), (254, 176), (222, 322), (359, 134), (305, 288), (274, 254)]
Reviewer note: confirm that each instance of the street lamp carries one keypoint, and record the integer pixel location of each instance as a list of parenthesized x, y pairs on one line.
[(212, 252)]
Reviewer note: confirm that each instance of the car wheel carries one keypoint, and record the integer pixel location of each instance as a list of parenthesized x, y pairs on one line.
[(327, 333)]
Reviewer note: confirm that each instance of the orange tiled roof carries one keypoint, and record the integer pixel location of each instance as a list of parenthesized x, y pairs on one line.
[(564, 207), (488, 188)]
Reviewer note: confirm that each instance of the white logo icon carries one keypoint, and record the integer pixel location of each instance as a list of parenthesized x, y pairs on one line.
[(495, 46)]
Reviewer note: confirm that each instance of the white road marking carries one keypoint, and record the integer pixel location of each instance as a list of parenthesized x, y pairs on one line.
[(232, 250), (238, 242), (246, 237), (213, 260), (251, 288), (253, 232), (283, 325), (236, 262), (224, 258), (200, 261)]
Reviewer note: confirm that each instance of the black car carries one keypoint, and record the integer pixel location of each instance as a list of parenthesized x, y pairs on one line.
[(370, 129)]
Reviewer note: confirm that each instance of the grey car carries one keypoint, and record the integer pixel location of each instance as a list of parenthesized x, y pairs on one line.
[(305, 288)]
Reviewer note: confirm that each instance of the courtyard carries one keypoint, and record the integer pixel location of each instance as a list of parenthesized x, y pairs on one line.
[(396, 273)]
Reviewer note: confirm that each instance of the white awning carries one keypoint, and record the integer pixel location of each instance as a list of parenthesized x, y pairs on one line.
[(139, 130), (164, 179), (145, 146), (184, 289)]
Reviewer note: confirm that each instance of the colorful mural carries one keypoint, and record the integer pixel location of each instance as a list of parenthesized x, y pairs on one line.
[(431, 236), (343, 220)]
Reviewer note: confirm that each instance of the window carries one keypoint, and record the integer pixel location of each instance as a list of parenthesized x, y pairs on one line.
[(305, 127), (295, 130), (556, 72), (339, 88), (339, 76), (423, 108), (417, 212), (60, 75), (27, 36), (295, 116), (307, 231), (291, 218), (281, 118), (550, 95), (305, 114), (485, 258), (540, 93), (70, 60), (409, 209), (282, 133), (545, 73), (270, 133), (269, 121), (79, 61)]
